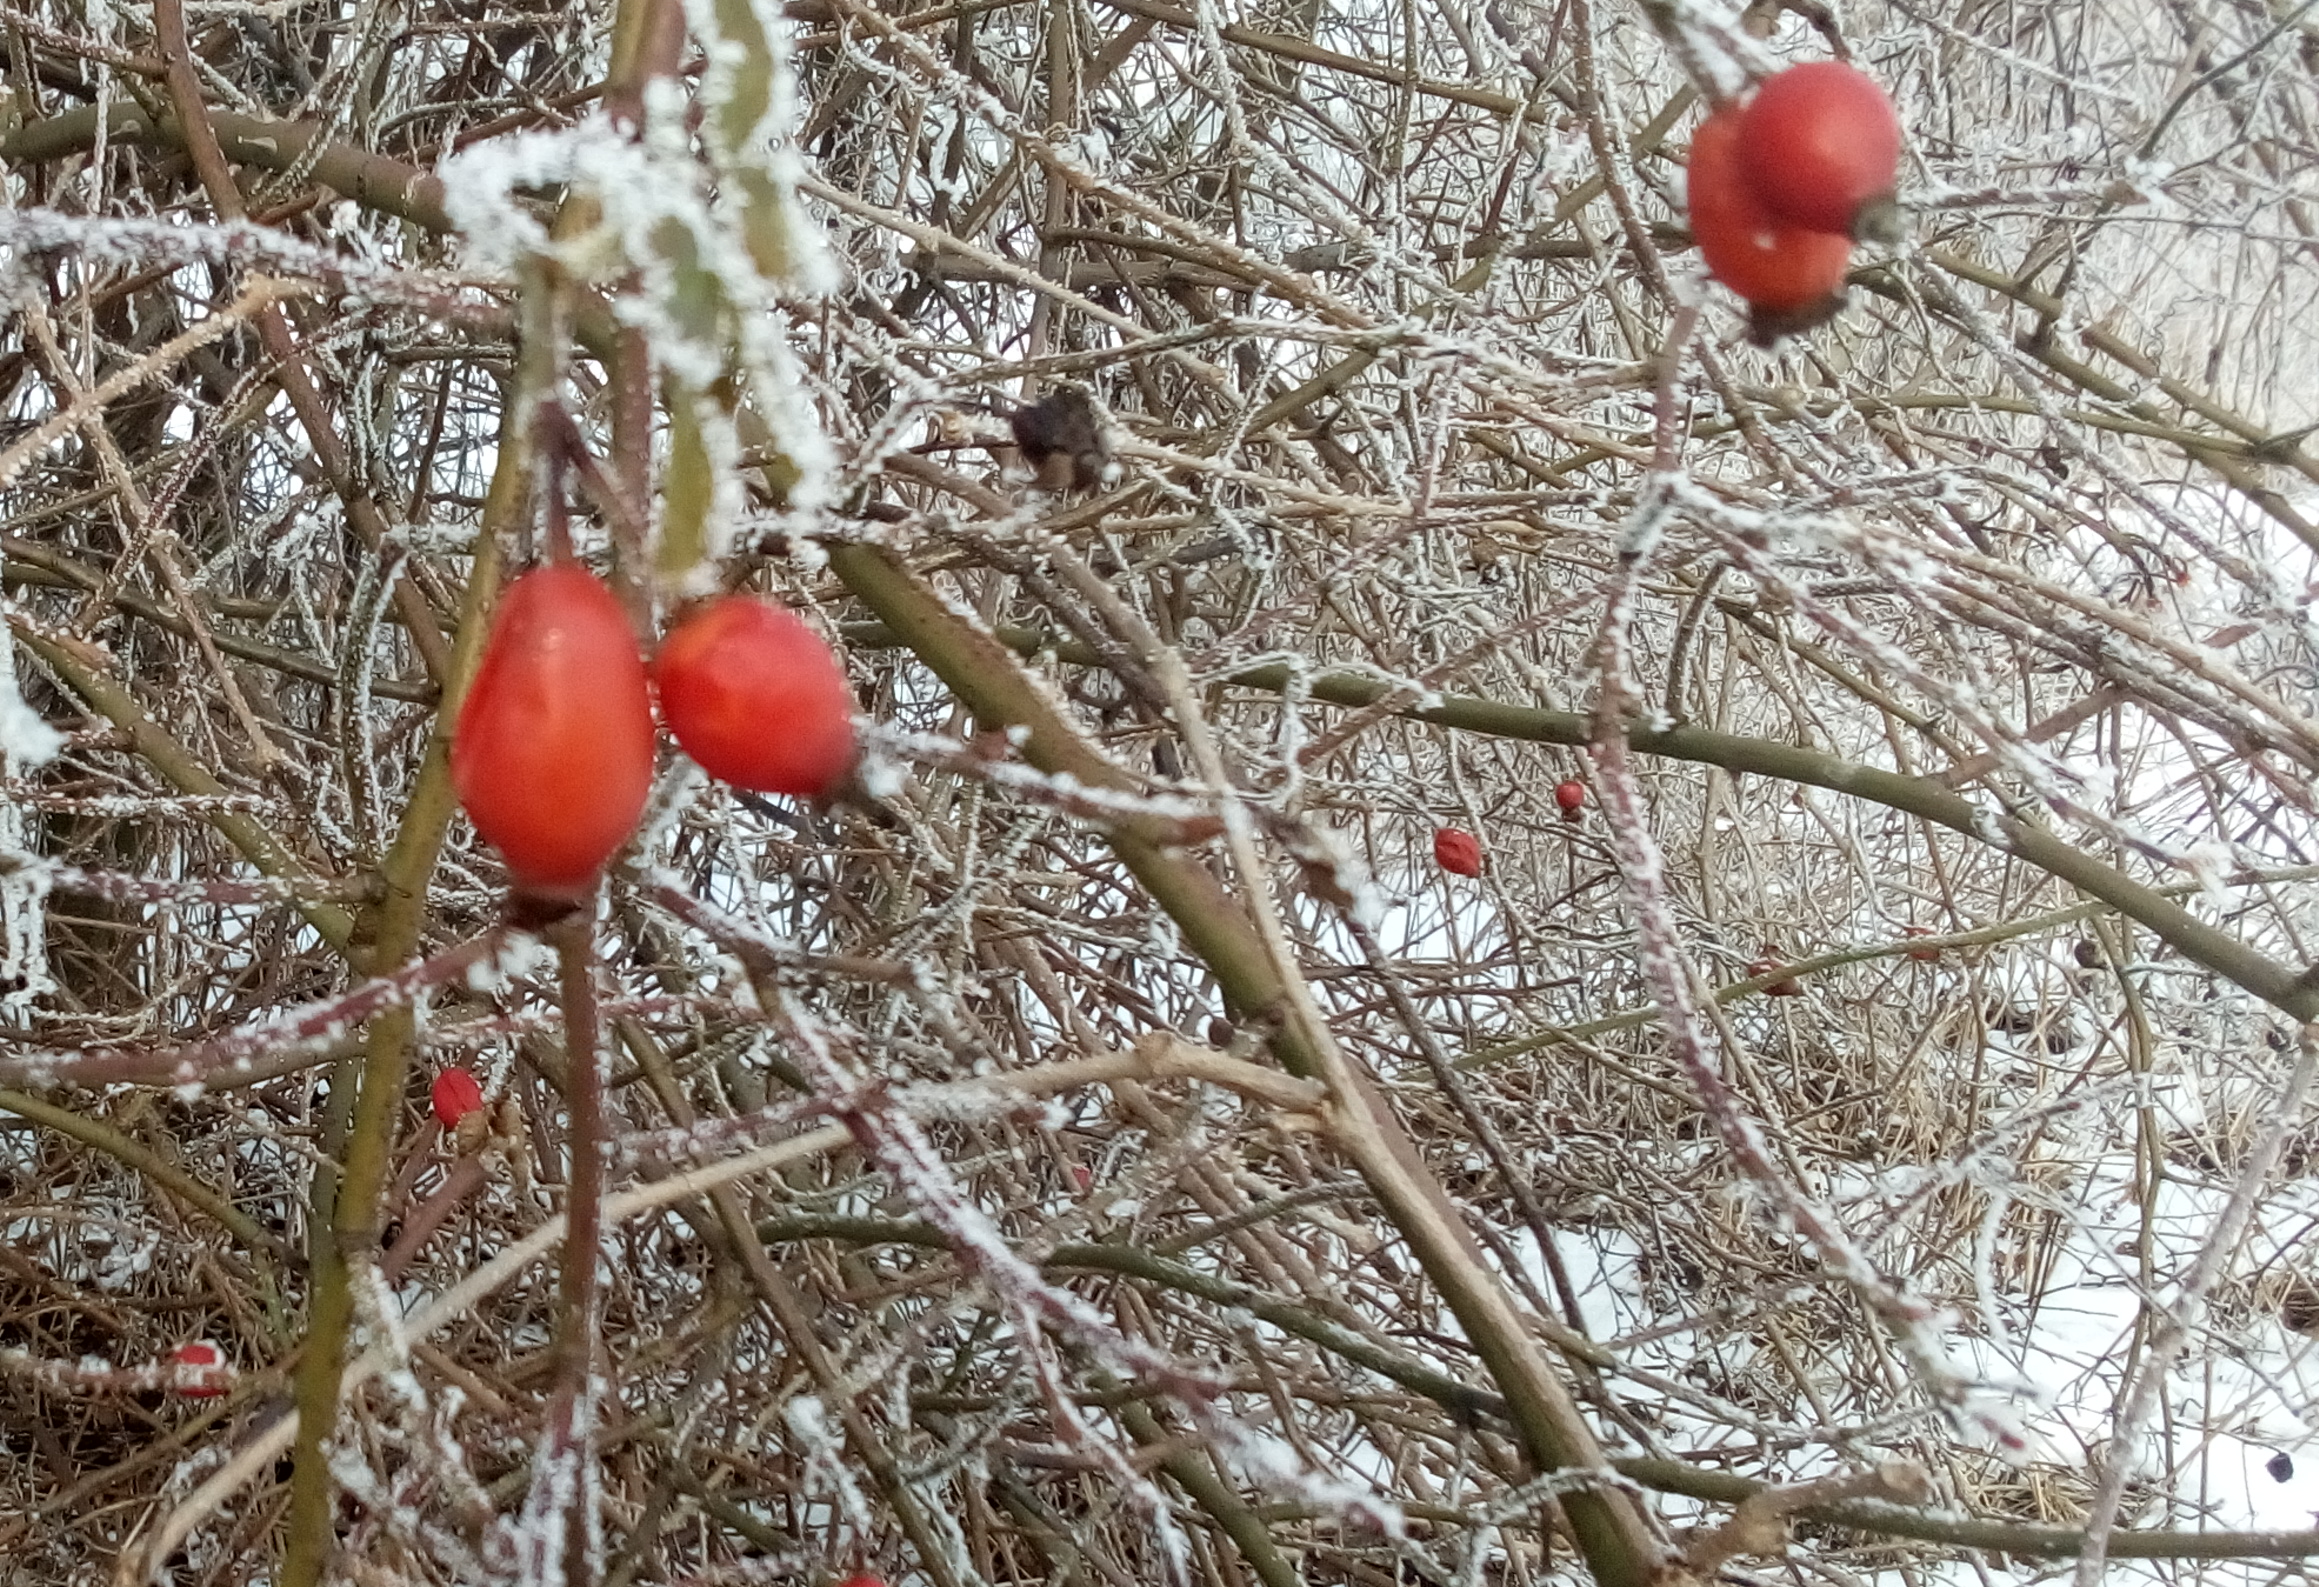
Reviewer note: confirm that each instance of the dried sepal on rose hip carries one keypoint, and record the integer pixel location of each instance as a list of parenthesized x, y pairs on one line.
[(553, 753), (1064, 440), (756, 698)]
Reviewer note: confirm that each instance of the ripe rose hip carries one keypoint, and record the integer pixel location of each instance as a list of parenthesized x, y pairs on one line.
[(1457, 852), (552, 757), (199, 1354), (756, 698), (1921, 955), (455, 1094), (1571, 796), (1791, 276), (1821, 145)]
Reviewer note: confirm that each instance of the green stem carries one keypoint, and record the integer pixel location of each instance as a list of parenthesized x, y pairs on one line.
[(387, 935), (578, 1302)]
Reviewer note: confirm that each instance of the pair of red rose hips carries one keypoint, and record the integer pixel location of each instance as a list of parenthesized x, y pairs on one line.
[(1781, 183), (552, 756), (1460, 852)]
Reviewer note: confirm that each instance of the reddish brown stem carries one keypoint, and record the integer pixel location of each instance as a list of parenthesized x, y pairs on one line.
[(570, 1413)]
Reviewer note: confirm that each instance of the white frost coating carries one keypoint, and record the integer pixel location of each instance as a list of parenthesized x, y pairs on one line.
[(24, 973), (881, 774), (479, 193), (823, 1457), (519, 954), (766, 144), (703, 305), (25, 742), (728, 498), (677, 791), (2210, 865), (808, 557), (26, 739)]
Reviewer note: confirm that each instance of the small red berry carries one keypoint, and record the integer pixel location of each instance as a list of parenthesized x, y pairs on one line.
[(1571, 796), (200, 1355), (756, 698), (863, 1580), (1457, 852), (1786, 986), (1921, 955), (552, 757), (1791, 276), (1821, 145), (1083, 1176), (455, 1094)]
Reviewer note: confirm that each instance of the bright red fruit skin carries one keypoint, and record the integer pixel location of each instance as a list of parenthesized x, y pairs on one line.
[(1571, 795), (1458, 852), (552, 757), (756, 698), (1776, 266), (456, 1094), (200, 1353), (1819, 142)]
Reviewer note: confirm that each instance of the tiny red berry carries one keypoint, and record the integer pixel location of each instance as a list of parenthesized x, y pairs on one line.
[(1791, 276), (756, 698), (199, 1354), (552, 757), (1571, 796), (455, 1094), (1821, 145), (1921, 955), (1457, 852), (1083, 1176)]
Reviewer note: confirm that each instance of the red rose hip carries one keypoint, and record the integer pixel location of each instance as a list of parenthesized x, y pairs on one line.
[(455, 1094), (1791, 276), (756, 698), (1457, 852), (1821, 145), (552, 757), (200, 1355), (1571, 796)]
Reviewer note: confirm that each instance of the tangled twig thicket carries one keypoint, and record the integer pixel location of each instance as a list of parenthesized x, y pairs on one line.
[(1227, 447)]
